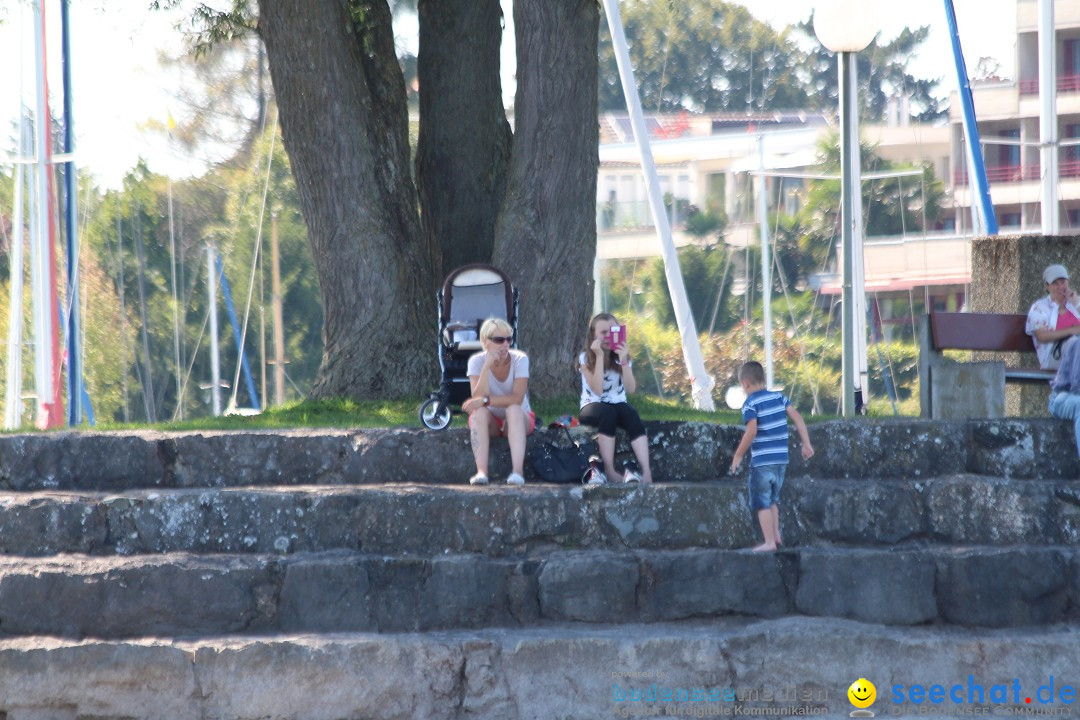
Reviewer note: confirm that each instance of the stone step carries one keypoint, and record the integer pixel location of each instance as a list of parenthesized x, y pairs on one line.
[(536, 519), (181, 594), (681, 452), (786, 667)]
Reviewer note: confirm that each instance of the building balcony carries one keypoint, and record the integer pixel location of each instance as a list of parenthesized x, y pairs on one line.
[(1066, 15), (634, 216), (1065, 84), (999, 174), (1068, 167)]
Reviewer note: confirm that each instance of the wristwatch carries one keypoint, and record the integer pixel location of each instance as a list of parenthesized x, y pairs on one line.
[(487, 400)]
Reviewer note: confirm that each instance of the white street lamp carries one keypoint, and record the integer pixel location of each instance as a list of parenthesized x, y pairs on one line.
[(846, 27)]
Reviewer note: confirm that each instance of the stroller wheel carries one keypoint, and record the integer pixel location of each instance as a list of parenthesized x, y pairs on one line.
[(434, 414)]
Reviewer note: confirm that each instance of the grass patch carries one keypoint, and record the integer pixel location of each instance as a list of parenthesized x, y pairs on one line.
[(334, 413), (344, 413)]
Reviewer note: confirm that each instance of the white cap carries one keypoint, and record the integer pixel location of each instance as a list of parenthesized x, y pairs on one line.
[(1055, 272)]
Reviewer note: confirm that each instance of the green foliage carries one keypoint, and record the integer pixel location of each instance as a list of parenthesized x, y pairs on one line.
[(891, 206), (247, 224), (712, 55), (706, 55), (347, 413), (702, 268), (806, 356), (882, 73), (209, 26), (224, 207), (706, 223)]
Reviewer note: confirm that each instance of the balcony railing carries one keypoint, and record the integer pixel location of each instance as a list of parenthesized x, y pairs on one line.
[(628, 216), (1002, 174), (1068, 167), (1065, 84)]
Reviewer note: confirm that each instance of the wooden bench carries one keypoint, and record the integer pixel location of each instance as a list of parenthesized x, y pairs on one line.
[(975, 331)]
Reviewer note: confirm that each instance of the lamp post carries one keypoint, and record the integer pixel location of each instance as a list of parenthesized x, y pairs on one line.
[(846, 27)]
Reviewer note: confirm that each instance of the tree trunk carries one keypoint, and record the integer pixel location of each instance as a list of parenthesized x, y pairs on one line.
[(464, 144), (344, 121), (546, 235)]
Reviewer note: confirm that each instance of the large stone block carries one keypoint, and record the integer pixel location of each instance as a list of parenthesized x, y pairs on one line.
[(706, 583), (1004, 588), (967, 390), (677, 516), (78, 459), (594, 587), (853, 511), (892, 588), (990, 512), (1030, 448), (129, 598), (326, 594), (565, 671), (867, 449), (690, 452)]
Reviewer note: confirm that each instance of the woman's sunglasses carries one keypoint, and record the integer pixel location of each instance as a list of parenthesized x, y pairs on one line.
[(499, 339)]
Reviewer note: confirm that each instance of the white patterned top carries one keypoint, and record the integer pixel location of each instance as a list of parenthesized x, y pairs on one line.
[(614, 392)]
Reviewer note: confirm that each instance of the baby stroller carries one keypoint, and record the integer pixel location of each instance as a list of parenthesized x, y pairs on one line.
[(470, 295)]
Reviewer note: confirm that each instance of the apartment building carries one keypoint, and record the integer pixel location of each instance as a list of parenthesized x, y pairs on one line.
[(713, 162), (1009, 109)]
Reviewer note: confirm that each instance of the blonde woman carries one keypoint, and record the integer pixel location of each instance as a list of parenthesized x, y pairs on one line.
[(499, 404)]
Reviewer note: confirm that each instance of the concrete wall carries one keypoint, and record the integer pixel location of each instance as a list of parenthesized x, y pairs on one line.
[(1006, 277)]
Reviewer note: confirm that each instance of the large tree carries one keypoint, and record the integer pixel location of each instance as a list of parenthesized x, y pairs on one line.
[(523, 201)]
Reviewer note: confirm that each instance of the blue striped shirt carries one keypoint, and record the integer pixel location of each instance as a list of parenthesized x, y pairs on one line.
[(770, 446)]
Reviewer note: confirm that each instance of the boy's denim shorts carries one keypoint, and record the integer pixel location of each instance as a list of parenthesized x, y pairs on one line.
[(765, 483)]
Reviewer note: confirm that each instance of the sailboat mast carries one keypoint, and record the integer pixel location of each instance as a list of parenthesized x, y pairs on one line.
[(46, 345), (215, 366), (72, 315), (13, 389), (1048, 119)]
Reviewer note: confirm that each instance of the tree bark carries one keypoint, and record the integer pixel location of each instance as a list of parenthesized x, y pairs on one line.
[(546, 234), (344, 122), (464, 143)]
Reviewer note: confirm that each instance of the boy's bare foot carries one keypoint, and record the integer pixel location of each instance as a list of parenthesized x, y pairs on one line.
[(765, 547)]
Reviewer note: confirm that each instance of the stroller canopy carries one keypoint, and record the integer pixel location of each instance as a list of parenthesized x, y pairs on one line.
[(474, 293)]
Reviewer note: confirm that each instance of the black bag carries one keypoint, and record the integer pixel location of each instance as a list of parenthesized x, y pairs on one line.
[(555, 464)]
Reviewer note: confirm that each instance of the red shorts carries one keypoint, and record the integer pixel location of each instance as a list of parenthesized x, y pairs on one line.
[(501, 422)]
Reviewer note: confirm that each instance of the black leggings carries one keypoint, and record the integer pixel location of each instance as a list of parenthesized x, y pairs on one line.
[(607, 417)]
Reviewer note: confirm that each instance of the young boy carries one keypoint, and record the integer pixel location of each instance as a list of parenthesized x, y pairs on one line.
[(765, 414)]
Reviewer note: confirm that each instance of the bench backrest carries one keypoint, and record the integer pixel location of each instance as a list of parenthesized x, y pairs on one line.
[(980, 331)]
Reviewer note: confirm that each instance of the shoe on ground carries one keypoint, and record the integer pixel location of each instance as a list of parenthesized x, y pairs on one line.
[(596, 477), (629, 476), (478, 479), (515, 479)]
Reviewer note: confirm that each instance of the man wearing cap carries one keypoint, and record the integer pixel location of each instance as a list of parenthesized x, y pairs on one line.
[(1054, 317)]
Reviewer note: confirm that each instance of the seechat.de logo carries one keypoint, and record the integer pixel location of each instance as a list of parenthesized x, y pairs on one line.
[(862, 694)]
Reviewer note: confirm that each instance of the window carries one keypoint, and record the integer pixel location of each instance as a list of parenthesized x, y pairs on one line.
[(1009, 155), (715, 197), (1072, 57), (1071, 153)]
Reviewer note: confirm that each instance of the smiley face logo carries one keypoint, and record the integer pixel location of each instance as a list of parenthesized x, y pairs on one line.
[(862, 693)]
